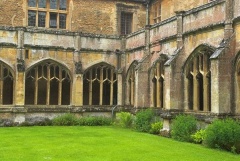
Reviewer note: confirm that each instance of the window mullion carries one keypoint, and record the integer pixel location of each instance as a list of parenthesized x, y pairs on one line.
[(101, 87), (90, 87), (1, 85), (60, 87), (36, 87), (48, 85)]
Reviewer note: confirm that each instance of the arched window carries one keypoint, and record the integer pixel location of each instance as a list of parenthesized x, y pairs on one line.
[(6, 85), (158, 84), (198, 81), (131, 83), (100, 85), (237, 110), (47, 84)]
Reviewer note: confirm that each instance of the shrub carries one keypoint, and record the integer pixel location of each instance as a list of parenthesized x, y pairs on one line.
[(94, 121), (65, 120), (224, 134), (183, 127), (199, 136), (144, 119), (156, 127), (124, 119)]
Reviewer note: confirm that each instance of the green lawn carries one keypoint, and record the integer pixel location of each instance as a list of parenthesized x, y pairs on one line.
[(98, 143)]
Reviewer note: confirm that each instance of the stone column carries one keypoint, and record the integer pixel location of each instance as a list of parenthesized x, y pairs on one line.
[(179, 15), (142, 84), (77, 87), (228, 30), (20, 70), (120, 87), (77, 90)]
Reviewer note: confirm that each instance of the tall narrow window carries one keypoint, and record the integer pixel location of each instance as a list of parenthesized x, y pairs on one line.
[(131, 84), (47, 84), (199, 82), (126, 23), (100, 86), (156, 11), (47, 13), (6, 85), (158, 84)]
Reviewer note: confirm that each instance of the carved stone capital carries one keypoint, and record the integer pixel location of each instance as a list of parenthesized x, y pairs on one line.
[(20, 65)]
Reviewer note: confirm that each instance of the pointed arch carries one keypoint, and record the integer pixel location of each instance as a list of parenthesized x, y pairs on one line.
[(130, 83), (197, 79), (48, 82), (237, 83), (100, 85), (6, 84), (157, 81)]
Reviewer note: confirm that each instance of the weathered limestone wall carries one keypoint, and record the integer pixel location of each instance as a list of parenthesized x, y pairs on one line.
[(203, 17), (163, 30), (8, 55), (169, 7), (236, 8), (82, 16), (10, 37), (42, 39), (12, 12), (102, 18), (211, 37), (180, 5), (136, 40), (99, 43), (237, 31)]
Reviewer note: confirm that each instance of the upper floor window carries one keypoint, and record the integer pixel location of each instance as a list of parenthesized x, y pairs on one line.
[(47, 13), (156, 11), (126, 23)]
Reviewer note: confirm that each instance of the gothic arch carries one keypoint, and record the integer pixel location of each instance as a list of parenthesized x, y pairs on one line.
[(130, 83), (156, 75), (197, 79), (48, 83), (100, 85), (237, 83), (7, 79)]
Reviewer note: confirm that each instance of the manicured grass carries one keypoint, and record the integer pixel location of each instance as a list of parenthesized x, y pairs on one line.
[(98, 144)]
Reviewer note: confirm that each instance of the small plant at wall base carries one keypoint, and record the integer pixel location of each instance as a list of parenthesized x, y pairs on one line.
[(124, 119), (65, 120), (224, 134), (156, 127), (94, 121), (199, 136), (183, 127), (144, 119)]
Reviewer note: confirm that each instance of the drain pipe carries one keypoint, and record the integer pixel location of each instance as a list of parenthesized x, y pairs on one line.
[(113, 111)]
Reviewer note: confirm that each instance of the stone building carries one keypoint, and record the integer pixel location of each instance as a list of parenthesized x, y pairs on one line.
[(94, 57)]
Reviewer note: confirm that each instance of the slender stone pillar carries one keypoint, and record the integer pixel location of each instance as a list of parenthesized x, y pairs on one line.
[(20, 72)]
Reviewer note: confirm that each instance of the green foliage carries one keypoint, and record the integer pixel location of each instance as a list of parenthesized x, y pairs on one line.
[(183, 127), (199, 136), (143, 121), (156, 127), (94, 121), (65, 120), (224, 134), (124, 119)]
